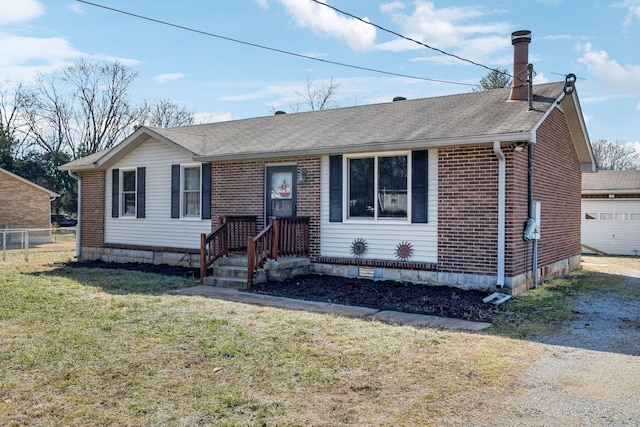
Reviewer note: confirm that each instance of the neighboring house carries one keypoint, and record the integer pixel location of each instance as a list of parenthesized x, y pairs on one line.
[(433, 190), (611, 212), (23, 204)]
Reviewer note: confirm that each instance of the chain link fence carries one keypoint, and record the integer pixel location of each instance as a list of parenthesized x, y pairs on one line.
[(18, 243)]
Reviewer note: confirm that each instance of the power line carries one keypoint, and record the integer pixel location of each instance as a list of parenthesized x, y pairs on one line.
[(299, 55), (411, 40)]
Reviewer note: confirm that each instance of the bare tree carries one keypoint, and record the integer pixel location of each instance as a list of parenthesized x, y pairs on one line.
[(83, 109), (47, 117), (496, 79), (105, 113), (612, 155), (165, 113), (319, 97), (12, 102)]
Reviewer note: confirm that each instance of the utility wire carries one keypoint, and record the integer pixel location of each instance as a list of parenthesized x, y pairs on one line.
[(182, 27), (412, 40)]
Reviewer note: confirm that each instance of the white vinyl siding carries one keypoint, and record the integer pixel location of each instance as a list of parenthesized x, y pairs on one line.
[(382, 237), (157, 229), (611, 226)]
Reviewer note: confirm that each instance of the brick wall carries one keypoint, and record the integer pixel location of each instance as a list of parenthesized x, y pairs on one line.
[(557, 185), (237, 188), (92, 223), (22, 205), (468, 210)]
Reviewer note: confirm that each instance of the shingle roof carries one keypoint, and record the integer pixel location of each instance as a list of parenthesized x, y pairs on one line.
[(429, 120), (472, 117), (607, 181)]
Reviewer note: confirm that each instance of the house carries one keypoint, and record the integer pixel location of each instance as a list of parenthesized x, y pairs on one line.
[(476, 190), (611, 212), (24, 205)]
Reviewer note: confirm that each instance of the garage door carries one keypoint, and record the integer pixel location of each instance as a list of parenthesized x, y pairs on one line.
[(611, 226)]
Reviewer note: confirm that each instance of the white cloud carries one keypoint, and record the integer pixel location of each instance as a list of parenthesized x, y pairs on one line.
[(633, 11), (326, 22), (169, 77), (539, 79), (452, 29), (19, 11), (389, 8), (609, 73), (263, 4), (200, 118), (77, 8), (21, 57)]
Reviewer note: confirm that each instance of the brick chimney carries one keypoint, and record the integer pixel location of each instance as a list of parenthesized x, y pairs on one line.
[(520, 41)]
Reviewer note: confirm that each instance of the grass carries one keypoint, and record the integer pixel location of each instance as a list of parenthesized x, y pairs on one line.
[(96, 347), (111, 347), (540, 310)]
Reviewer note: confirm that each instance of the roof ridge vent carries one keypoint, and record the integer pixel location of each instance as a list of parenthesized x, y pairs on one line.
[(399, 98)]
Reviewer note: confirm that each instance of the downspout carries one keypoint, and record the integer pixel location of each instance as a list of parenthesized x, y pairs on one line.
[(502, 196), (79, 224)]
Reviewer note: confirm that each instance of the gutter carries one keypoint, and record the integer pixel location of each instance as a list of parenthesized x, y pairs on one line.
[(79, 224), (502, 195)]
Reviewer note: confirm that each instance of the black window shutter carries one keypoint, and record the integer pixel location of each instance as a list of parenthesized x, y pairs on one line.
[(115, 193), (175, 191), (419, 180), (335, 188), (205, 206), (140, 192)]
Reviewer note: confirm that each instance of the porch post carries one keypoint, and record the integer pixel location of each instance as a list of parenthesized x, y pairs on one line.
[(203, 256), (275, 239)]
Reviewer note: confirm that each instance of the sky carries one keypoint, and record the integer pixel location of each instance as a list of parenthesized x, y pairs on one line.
[(220, 79)]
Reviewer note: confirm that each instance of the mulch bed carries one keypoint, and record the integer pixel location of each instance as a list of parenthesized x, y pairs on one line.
[(385, 295)]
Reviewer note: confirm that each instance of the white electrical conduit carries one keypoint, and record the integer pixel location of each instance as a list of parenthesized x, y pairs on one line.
[(502, 193)]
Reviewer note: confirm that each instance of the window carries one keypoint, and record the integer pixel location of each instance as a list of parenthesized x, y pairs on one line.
[(191, 191), (128, 193), (590, 216), (377, 187)]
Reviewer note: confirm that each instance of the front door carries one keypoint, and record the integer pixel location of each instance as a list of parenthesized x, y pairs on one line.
[(280, 192)]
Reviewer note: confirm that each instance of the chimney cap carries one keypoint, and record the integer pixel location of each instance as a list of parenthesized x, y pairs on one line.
[(521, 36)]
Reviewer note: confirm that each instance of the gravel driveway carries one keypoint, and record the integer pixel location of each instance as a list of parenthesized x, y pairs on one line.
[(587, 373)]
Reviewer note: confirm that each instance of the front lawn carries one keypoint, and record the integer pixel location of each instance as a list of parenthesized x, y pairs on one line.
[(112, 347)]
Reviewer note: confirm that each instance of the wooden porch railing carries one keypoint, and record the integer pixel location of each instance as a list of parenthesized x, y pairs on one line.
[(231, 235), (282, 237)]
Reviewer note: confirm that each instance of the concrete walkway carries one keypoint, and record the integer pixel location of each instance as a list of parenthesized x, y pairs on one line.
[(388, 316)]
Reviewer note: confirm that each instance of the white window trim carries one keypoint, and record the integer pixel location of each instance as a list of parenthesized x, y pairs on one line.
[(346, 188), (124, 215), (197, 217)]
